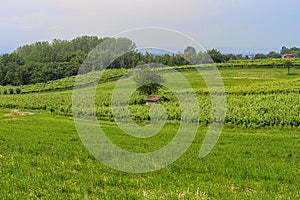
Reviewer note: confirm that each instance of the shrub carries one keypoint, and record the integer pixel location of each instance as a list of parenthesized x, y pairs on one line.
[(11, 91), (18, 90)]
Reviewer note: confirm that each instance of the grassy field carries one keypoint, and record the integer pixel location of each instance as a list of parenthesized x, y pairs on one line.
[(41, 155)]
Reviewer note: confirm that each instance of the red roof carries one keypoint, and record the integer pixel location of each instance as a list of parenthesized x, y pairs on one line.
[(287, 56), (154, 98)]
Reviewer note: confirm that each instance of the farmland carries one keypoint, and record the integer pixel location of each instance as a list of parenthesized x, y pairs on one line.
[(257, 156), (256, 98)]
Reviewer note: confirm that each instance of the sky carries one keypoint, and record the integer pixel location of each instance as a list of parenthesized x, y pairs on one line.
[(232, 26)]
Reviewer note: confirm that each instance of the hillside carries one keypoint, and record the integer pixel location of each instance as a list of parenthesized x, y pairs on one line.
[(256, 97), (256, 156)]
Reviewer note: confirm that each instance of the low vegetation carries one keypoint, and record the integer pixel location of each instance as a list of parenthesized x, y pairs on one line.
[(256, 157), (256, 98), (42, 157)]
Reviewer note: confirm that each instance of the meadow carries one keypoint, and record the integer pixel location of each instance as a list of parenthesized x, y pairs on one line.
[(256, 157)]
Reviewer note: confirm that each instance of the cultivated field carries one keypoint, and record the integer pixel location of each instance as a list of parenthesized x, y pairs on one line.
[(256, 157)]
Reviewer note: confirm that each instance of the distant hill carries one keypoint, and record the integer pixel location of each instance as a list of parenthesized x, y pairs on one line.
[(155, 52)]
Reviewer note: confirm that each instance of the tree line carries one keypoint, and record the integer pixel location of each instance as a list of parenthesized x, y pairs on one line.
[(46, 61)]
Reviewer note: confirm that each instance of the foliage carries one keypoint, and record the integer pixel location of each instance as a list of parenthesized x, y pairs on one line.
[(288, 64), (260, 56), (256, 98), (44, 61), (48, 61), (67, 83), (273, 54), (190, 50), (18, 91), (216, 55), (148, 80), (258, 63), (11, 91), (293, 50), (257, 156)]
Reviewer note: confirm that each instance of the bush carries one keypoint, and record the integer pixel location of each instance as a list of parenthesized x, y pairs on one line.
[(11, 91), (18, 90)]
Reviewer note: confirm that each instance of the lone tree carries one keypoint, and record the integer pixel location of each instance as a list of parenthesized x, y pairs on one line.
[(190, 50), (148, 80), (288, 64)]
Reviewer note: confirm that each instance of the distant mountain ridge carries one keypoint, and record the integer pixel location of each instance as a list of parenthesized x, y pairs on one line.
[(155, 51)]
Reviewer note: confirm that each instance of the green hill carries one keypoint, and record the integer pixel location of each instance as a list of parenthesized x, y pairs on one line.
[(256, 157), (256, 97)]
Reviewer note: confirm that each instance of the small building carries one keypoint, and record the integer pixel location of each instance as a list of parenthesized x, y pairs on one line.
[(287, 56), (153, 99)]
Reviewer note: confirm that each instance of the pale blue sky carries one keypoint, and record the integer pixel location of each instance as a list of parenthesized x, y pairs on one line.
[(229, 25)]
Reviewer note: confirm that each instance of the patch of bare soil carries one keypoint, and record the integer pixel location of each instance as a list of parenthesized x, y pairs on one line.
[(15, 113)]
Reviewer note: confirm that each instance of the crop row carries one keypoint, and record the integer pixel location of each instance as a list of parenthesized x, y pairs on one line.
[(267, 87), (68, 83), (248, 110)]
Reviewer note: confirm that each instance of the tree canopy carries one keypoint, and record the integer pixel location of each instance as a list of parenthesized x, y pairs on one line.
[(148, 79), (46, 61)]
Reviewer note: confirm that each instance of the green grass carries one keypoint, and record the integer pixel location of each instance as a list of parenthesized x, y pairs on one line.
[(256, 98), (42, 157), (246, 77)]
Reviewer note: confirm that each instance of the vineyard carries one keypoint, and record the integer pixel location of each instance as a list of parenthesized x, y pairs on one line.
[(244, 64), (266, 63), (256, 157), (255, 98), (66, 83)]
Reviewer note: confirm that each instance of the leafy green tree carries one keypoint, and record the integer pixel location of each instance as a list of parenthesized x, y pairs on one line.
[(18, 90), (148, 80), (285, 50), (273, 54), (204, 57), (191, 56), (260, 56), (11, 91), (216, 55), (240, 57), (190, 50), (288, 64)]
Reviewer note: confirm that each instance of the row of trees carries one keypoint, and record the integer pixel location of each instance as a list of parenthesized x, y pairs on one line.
[(45, 61), (218, 57), (294, 51)]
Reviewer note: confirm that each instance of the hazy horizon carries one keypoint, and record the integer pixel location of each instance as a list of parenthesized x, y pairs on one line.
[(224, 50)]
